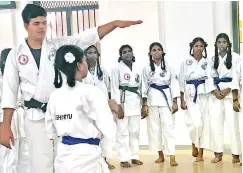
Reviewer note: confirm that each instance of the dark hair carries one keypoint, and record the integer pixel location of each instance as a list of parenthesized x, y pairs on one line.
[(163, 67), (194, 42), (121, 49), (32, 11), (216, 54), (4, 55), (99, 70), (69, 69)]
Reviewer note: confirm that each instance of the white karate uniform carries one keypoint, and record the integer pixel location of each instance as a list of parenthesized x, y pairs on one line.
[(160, 121), (15, 160), (239, 72), (221, 110), (21, 71), (89, 117), (103, 84), (128, 128), (196, 115)]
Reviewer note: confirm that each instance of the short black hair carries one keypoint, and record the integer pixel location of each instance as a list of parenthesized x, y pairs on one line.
[(31, 11)]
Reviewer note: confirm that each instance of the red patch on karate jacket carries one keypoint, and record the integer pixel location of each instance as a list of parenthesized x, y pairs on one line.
[(151, 73), (23, 59), (189, 62), (127, 76)]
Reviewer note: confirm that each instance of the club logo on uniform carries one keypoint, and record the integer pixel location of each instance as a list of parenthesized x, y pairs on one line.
[(189, 62), (162, 74), (52, 54), (101, 78), (204, 66), (23, 59), (127, 76), (151, 73), (137, 78)]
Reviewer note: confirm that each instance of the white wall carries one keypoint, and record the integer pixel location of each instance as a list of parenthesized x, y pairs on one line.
[(139, 37), (6, 37)]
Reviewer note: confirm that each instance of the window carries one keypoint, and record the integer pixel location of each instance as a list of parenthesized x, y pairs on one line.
[(69, 17), (7, 5)]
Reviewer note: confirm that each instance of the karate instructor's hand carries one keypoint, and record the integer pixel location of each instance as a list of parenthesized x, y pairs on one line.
[(174, 108), (236, 106), (6, 135), (218, 95), (120, 112), (144, 111), (183, 105), (124, 24)]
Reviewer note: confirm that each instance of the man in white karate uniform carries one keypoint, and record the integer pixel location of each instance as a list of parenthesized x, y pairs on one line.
[(30, 67)]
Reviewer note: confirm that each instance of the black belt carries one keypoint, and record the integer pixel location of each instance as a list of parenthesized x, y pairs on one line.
[(32, 103)]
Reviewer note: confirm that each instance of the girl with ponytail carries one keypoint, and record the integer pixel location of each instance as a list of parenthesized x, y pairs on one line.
[(225, 103), (160, 90), (195, 81), (80, 115)]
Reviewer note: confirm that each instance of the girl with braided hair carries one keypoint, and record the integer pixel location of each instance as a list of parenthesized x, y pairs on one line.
[(224, 100), (160, 90), (126, 91), (97, 75), (195, 81)]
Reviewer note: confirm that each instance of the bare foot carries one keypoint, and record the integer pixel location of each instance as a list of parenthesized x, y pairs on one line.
[(161, 157), (110, 166), (216, 159), (199, 159), (194, 150), (236, 159), (200, 156), (160, 160), (173, 161), (125, 164), (136, 162)]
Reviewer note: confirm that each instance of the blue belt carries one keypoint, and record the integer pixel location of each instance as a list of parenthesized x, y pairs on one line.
[(68, 140), (217, 80), (196, 83), (161, 89)]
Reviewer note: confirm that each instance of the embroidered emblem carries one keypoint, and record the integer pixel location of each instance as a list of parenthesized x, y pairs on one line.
[(189, 62), (101, 78), (127, 76), (52, 54), (137, 78), (151, 73), (204, 66), (162, 74), (23, 59)]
